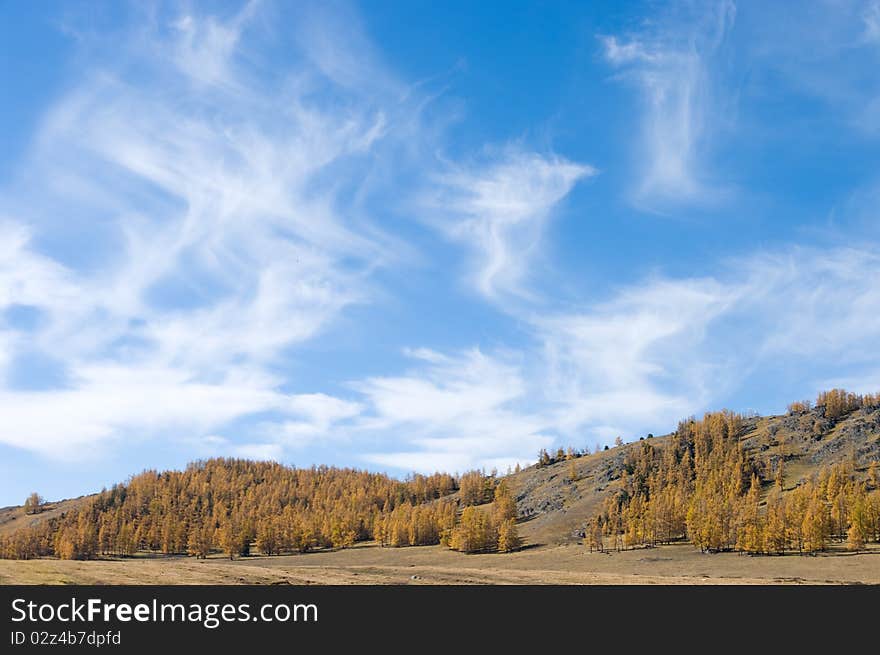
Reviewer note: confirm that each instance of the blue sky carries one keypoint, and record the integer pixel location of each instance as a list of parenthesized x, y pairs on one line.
[(419, 236)]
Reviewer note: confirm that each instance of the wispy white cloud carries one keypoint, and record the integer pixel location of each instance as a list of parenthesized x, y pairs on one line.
[(829, 53), (809, 302), (635, 361), (333, 38), (871, 18), (313, 417), (215, 239), (224, 240), (205, 46), (498, 211), (259, 451), (653, 353), (27, 277), (109, 401), (668, 65), (665, 348), (180, 231), (460, 410)]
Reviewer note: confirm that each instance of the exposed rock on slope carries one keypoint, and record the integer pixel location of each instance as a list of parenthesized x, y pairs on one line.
[(556, 506)]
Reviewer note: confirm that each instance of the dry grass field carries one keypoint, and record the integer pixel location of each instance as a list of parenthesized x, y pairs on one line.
[(368, 564)]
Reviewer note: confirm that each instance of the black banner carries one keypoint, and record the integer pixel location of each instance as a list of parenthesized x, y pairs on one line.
[(412, 618)]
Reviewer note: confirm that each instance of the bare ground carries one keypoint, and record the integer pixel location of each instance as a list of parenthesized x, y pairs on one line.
[(368, 564)]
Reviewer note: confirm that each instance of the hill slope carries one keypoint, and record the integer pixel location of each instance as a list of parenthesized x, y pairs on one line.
[(554, 501), (14, 518), (555, 507)]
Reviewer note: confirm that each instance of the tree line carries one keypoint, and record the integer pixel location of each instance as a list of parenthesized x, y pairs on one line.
[(480, 530), (234, 506), (836, 403), (702, 486)]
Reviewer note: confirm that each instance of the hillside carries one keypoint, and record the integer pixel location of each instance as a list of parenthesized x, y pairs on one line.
[(555, 507), (14, 518), (236, 507)]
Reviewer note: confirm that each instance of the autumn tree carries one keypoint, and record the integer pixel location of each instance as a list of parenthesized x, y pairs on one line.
[(775, 527), (231, 503), (872, 509), (269, 536), (751, 530), (476, 532), (779, 478), (814, 525), (33, 504), (200, 541), (799, 407), (474, 488), (233, 539), (838, 402), (508, 537), (505, 505), (594, 535), (691, 486), (859, 529)]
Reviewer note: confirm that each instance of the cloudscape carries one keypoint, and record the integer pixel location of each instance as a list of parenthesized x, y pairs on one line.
[(417, 236)]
